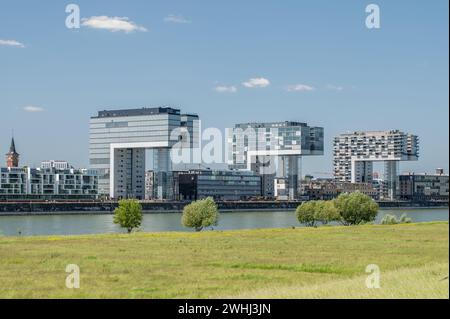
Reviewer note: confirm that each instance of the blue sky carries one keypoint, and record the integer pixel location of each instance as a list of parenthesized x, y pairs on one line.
[(347, 77)]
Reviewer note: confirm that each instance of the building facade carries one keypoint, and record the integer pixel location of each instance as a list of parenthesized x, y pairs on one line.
[(274, 150), (330, 189), (354, 154), (220, 185), (424, 187), (47, 184), (119, 140)]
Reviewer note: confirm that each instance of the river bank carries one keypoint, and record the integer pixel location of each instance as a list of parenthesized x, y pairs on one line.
[(99, 208)]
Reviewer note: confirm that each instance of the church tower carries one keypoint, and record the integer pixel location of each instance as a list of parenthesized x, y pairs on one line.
[(12, 158)]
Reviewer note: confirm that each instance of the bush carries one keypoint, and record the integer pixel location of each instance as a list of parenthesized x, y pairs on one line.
[(404, 219), (392, 220), (200, 214), (389, 220), (128, 215), (326, 212), (306, 213), (356, 208)]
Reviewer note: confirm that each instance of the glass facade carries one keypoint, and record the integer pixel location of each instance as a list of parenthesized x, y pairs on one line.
[(127, 134)]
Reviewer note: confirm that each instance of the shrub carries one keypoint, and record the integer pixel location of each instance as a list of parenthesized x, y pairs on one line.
[(392, 220), (128, 215), (356, 208), (306, 213), (389, 220), (200, 214), (326, 212), (404, 219)]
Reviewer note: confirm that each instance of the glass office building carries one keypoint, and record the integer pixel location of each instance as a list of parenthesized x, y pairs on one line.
[(119, 140), (274, 151)]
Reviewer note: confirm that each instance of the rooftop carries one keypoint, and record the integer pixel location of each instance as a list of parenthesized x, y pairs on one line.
[(137, 112)]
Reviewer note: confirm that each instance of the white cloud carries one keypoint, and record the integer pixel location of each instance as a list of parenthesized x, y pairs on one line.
[(12, 43), (172, 18), (33, 109), (113, 24), (335, 87), (225, 89), (300, 88), (257, 83)]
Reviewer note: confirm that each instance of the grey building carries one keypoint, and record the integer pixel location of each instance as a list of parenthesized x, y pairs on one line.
[(220, 185), (423, 187), (119, 140), (274, 150)]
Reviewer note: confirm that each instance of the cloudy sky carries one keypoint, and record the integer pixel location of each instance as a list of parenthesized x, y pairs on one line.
[(229, 61)]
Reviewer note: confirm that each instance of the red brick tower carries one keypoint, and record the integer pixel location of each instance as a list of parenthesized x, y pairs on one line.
[(12, 158)]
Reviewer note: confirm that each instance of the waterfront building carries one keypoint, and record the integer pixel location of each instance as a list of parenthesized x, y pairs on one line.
[(12, 157), (56, 164), (218, 184), (354, 154), (330, 189), (47, 184), (274, 151), (118, 143), (424, 187)]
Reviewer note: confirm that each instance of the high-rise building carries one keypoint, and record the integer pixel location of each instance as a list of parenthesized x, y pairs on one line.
[(354, 154), (119, 140), (12, 157), (274, 150)]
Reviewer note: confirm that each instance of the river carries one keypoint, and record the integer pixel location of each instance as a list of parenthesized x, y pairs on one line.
[(158, 222)]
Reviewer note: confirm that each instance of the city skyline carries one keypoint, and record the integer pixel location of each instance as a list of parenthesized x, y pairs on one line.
[(189, 57)]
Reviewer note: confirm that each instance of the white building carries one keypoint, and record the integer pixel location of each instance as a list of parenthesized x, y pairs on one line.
[(60, 165), (119, 140), (354, 154), (47, 184)]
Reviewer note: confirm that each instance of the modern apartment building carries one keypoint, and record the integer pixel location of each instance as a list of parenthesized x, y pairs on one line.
[(47, 184), (354, 154), (221, 185), (423, 187), (274, 151), (119, 140)]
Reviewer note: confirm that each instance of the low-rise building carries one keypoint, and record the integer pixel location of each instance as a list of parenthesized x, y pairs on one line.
[(330, 189), (47, 184), (220, 185), (56, 164), (424, 187)]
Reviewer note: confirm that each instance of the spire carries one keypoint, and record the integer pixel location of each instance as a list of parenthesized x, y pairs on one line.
[(12, 148)]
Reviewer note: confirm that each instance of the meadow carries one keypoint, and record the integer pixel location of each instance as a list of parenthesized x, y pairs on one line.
[(325, 262)]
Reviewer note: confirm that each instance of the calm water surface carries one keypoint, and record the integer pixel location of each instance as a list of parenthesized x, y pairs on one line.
[(98, 224)]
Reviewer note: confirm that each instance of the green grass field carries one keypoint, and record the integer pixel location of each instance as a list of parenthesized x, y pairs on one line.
[(326, 262)]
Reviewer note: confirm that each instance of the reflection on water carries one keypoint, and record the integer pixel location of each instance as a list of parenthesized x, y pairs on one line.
[(97, 224)]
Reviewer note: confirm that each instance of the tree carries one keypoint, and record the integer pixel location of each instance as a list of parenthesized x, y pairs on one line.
[(356, 208), (306, 213), (200, 214), (128, 215), (326, 212)]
